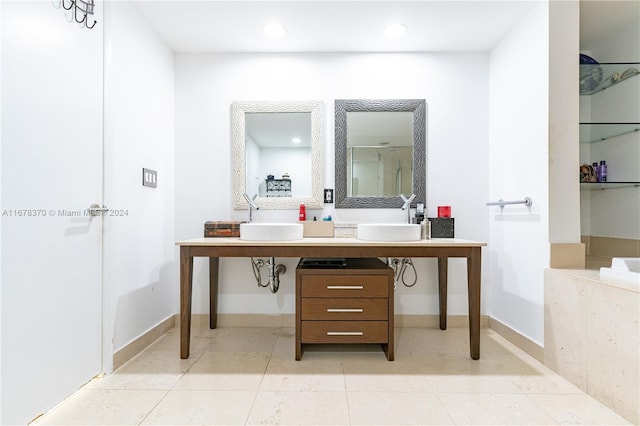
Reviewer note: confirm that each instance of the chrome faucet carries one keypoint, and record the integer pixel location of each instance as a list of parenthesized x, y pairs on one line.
[(407, 205), (252, 204)]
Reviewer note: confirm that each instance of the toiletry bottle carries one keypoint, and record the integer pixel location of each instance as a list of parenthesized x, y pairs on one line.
[(594, 176), (302, 214), (426, 229), (603, 171)]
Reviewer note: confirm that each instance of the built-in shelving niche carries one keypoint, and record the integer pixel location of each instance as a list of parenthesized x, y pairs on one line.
[(595, 78)]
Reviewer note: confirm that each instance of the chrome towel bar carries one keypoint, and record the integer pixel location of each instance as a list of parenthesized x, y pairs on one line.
[(527, 202)]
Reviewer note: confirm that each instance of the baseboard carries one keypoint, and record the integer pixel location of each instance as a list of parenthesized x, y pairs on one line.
[(522, 342), (136, 346)]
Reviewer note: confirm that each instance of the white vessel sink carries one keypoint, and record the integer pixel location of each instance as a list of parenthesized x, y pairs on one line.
[(388, 232), (271, 231)]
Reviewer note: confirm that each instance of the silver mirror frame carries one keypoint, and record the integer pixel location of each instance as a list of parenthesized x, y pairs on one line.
[(238, 179), (419, 109)]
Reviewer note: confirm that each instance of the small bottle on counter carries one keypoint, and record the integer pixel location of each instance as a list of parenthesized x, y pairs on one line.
[(302, 214), (425, 229)]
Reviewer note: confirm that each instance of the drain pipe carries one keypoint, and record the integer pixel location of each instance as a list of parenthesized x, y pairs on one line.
[(274, 274)]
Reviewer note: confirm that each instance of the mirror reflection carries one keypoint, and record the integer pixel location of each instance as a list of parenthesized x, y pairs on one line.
[(278, 154), (379, 153)]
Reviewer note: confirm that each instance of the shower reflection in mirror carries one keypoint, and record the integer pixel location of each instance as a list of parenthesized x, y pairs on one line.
[(379, 153)]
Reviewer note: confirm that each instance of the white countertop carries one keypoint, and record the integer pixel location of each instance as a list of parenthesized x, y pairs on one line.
[(343, 242)]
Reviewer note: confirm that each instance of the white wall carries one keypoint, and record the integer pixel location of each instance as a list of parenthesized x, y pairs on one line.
[(455, 87), (614, 212), (518, 166), (295, 162), (139, 253)]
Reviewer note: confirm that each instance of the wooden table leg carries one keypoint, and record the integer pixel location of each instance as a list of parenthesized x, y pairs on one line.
[(474, 264), (442, 290), (186, 287), (214, 262)]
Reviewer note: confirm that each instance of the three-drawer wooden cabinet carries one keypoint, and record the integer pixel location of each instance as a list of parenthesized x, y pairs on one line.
[(349, 304)]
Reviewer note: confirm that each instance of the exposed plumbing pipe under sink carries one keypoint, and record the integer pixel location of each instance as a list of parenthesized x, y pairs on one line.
[(274, 273)]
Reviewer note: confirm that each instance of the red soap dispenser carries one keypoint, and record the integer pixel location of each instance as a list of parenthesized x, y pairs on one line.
[(302, 215)]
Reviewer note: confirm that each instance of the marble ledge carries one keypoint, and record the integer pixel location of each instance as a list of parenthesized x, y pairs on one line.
[(591, 275), (346, 242)]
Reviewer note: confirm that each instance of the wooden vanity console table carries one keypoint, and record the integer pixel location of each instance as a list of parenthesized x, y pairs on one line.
[(442, 249)]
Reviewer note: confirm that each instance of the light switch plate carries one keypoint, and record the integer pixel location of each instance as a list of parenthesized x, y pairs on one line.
[(328, 196), (149, 178)]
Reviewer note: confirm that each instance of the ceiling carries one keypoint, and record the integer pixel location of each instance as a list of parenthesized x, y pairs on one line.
[(207, 26), (333, 26)]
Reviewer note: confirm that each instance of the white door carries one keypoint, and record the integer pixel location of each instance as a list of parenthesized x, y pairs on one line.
[(51, 167)]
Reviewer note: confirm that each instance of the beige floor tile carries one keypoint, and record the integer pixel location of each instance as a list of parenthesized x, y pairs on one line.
[(225, 371), (394, 408), (421, 341), (306, 375), (285, 345), (148, 370), (170, 342), (544, 384), (104, 407), (473, 383), (300, 408), (184, 407), (242, 339), (133, 381), (494, 409), (250, 375), (157, 362), (368, 373), (507, 364), (577, 409)]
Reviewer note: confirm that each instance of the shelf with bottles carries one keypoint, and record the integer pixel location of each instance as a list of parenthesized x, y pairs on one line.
[(595, 78), (598, 132), (592, 186)]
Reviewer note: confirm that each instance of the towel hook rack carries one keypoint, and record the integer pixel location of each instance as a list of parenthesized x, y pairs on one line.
[(527, 202), (82, 8)]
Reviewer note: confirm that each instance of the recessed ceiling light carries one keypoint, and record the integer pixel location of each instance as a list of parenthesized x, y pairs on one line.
[(296, 140), (395, 30), (274, 30)]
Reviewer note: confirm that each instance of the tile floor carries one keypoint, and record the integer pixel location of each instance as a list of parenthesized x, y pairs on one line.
[(249, 376)]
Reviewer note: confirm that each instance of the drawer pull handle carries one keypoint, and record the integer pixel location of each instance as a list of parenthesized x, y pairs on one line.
[(345, 310), (345, 287), (345, 333)]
